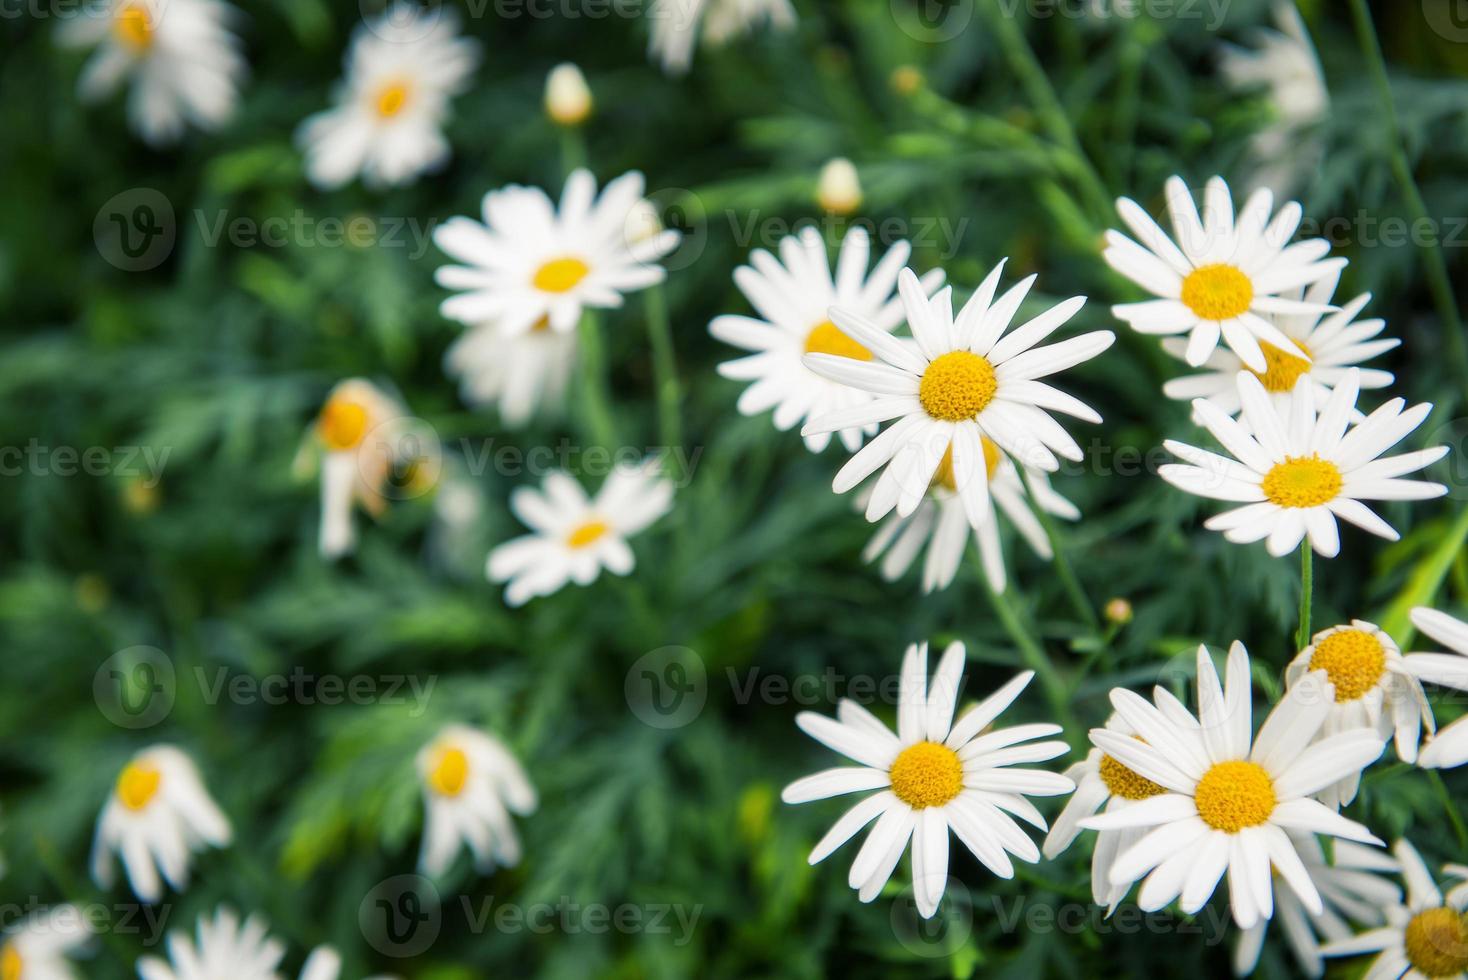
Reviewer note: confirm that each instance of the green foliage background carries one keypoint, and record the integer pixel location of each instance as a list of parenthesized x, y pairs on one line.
[(223, 354)]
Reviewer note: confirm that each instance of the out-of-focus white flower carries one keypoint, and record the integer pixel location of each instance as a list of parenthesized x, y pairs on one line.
[(675, 25), (37, 947), (471, 785), (357, 435), (567, 96), (1449, 748), (521, 374), (223, 946), (838, 189)]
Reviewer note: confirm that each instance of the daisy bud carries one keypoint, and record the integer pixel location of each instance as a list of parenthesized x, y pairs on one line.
[(567, 97), (839, 190), (1118, 611), (906, 79)]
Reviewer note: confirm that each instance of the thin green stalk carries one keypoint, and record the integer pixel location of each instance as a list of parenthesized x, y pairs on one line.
[(596, 409), (573, 149), (1307, 588), (1435, 266), (1454, 816), (664, 368), (1063, 569), (1035, 657)]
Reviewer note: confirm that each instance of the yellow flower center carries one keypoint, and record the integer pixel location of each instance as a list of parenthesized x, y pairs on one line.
[(957, 386), (926, 774), (11, 965), (1437, 942), (391, 99), (1302, 481), (943, 476), (1281, 370), (1217, 292), (343, 423), (1126, 782), (1354, 660), (827, 338), (560, 275), (133, 27), (137, 785), (1234, 795), (586, 534), (450, 772)]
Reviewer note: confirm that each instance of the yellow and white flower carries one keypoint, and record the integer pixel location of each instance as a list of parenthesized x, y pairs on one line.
[(934, 775), (521, 374), (567, 96), (357, 437), (1374, 689), (471, 785), (1449, 748), (1231, 798), (530, 264), (1296, 473), (573, 537), (962, 380), (223, 946), (1425, 939), (838, 188), (1222, 276), (401, 71), (675, 25), (37, 947), (157, 816), (793, 296), (184, 62), (940, 525)]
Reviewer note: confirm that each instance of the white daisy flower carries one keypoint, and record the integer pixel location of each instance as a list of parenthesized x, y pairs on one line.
[(940, 524), (356, 435), (1449, 748), (223, 946), (574, 537), (1426, 939), (471, 785), (1351, 888), (184, 62), (964, 379), (793, 296), (1223, 276), (1374, 689), (1231, 797), (520, 374), (933, 776), (158, 815), (675, 25), (1297, 473), (530, 264), (401, 70), (1334, 344), (37, 947)]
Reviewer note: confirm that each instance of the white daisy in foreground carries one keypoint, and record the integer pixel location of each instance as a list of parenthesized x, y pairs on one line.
[(159, 813), (1223, 276), (184, 62), (1374, 689), (964, 379), (793, 296), (940, 525), (530, 264), (37, 947), (933, 776), (1426, 939), (1352, 890), (520, 374), (1333, 345), (223, 946), (471, 785), (675, 25), (402, 69), (1449, 748), (1296, 473), (1231, 797), (574, 537)]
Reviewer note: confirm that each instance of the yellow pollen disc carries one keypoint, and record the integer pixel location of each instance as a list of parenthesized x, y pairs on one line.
[(586, 534), (450, 772), (957, 386), (926, 774), (391, 99), (560, 275), (1437, 942), (827, 338), (1126, 782), (1281, 370), (1302, 481), (1217, 292), (133, 27), (137, 785), (343, 424), (1234, 795), (943, 475), (12, 967), (1354, 660)]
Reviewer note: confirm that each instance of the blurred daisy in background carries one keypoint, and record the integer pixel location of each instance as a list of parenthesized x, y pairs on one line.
[(471, 785), (838, 188), (675, 25), (37, 946), (158, 815), (793, 296), (520, 374), (530, 265), (1231, 798), (401, 70), (962, 380), (568, 99), (1425, 938), (573, 537), (940, 525), (1296, 473), (1334, 344), (1223, 276), (1374, 690), (934, 775), (1449, 748), (184, 62), (223, 946)]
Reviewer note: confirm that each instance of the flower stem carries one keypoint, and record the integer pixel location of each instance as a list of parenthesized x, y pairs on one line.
[(1307, 588), (664, 367), (573, 149), (1037, 660), (595, 402), (1452, 808), (1063, 569)]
